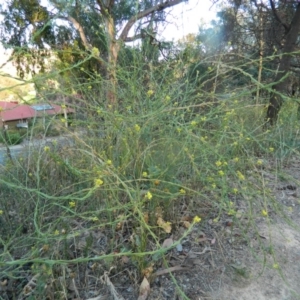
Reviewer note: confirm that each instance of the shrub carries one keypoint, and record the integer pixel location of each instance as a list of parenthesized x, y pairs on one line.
[(134, 174), (11, 138)]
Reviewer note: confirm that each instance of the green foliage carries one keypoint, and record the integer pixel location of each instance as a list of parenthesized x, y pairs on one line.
[(11, 138), (32, 30)]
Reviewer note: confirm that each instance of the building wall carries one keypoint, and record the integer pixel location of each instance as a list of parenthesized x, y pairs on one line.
[(12, 124), (38, 120)]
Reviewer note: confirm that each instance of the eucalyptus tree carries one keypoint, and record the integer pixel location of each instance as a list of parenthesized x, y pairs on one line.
[(287, 16), (101, 27), (272, 28)]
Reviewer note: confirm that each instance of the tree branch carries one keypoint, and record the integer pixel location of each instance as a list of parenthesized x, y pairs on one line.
[(286, 27), (101, 5), (134, 38), (79, 28), (144, 13)]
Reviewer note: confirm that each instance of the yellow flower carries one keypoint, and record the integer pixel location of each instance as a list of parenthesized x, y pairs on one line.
[(137, 127), (149, 196), (95, 219), (235, 143), (46, 149), (72, 204), (109, 162), (275, 266), (193, 123), (264, 213), (231, 212), (56, 232), (271, 149), (240, 175), (98, 182), (196, 219), (179, 129), (145, 174), (1, 212), (89, 87), (63, 120), (236, 159), (95, 51), (235, 191), (203, 119), (221, 173), (150, 93), (182, 191), (218, 163), (259, 162), (167, 98), (213, 185)]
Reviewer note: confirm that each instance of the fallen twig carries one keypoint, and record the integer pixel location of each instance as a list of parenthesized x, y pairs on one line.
[(169, 270)]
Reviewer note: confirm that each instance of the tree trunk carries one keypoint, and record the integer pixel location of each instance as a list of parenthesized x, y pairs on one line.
[(114, 43), (6, 139), (261, 53), (113, 51), (284, 67)]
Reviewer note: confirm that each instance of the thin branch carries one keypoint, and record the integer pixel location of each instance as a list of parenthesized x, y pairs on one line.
[(134, 38), (286, 27), (146, 12), (102, 6)]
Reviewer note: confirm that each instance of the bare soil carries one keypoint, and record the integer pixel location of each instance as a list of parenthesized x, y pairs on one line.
[(262, 263)]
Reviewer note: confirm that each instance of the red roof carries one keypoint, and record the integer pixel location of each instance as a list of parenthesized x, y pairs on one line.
[(6, 105), (13, 111)]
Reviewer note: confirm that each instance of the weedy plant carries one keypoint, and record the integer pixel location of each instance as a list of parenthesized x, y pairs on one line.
[(126, 178)]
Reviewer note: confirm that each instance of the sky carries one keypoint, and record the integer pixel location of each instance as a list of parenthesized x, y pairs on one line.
[(186, 18)]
